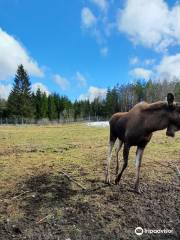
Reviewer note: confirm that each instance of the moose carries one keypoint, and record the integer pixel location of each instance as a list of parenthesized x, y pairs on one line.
[(136, 127)]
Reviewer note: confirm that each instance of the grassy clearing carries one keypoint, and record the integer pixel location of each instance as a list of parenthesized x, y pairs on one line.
[(32, 187)]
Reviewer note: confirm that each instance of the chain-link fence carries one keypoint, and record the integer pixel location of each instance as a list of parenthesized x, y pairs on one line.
[(46, 121)]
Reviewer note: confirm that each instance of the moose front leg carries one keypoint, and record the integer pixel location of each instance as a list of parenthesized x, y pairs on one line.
[(125, 158), (139, 154)]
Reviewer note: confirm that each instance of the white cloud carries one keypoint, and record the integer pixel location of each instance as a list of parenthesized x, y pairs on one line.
[(61, 81), (102, 4), (92, 93), (169, 67), (41, 86), (98, 26), (12, 54), (104, 51), (88, 19), (5, 90), (150, 23), (141, 73), (82, 82), (149, 61), (175, 21), (109, 27), (134, 61)]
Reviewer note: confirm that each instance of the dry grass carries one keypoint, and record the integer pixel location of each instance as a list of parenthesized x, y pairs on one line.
[(32, 187)]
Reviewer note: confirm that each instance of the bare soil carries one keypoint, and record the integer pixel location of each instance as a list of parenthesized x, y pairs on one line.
[(45, 204), (100, 212)]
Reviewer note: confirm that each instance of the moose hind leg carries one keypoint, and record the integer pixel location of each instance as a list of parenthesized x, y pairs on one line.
[(118, 148), (125, 158), (139, 154), (107, 173)]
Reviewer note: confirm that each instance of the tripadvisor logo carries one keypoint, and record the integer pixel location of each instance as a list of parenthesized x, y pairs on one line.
[(139, 231)]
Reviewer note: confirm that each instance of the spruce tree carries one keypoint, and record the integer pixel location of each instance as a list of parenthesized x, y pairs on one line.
[(20, 98), (40, 101), (38, 104), (52, 114), (44, 105)]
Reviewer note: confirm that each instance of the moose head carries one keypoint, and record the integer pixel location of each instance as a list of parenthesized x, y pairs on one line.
[(174, 115)]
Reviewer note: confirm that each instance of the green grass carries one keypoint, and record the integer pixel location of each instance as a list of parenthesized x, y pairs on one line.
[(29, 150)]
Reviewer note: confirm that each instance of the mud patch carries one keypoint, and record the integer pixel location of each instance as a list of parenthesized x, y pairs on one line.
[(100, 212)]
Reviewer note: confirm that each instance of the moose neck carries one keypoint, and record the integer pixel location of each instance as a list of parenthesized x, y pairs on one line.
[(157, 116)]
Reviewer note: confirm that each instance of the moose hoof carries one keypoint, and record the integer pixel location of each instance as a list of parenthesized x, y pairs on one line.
[(116, 181), (138, 190), (107, 180)]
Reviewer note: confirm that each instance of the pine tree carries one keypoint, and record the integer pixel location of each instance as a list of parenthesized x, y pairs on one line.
[(112, 99), (20, 98), (59, 107), (139, 89), (44, 105), (40, 101), (38, 104), (52, 114)]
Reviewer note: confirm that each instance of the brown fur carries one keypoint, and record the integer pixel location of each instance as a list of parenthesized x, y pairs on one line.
[(135, 128)]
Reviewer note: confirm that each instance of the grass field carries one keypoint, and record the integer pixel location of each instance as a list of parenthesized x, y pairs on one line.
[(38, 202)]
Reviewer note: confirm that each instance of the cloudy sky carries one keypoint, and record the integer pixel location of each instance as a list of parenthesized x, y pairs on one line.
[(79, 48)]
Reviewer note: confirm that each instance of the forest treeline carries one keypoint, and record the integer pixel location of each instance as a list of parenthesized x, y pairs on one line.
[(23, 104)]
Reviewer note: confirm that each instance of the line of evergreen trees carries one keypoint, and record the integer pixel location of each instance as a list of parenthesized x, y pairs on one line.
[(23, 104)]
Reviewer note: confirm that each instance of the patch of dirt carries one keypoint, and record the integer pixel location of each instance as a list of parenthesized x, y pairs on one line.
[(55, 208), (35, 149)]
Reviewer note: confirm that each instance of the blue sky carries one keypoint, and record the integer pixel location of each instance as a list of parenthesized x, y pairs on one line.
[(79, 48)]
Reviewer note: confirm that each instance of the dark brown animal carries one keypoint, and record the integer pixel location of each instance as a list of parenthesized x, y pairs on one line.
[(135, 128)]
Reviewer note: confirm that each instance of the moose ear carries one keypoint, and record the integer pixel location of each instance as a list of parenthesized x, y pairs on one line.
[(170, 99)]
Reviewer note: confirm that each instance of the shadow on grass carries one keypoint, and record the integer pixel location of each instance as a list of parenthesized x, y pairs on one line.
[(49, 191), (72, 214)]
